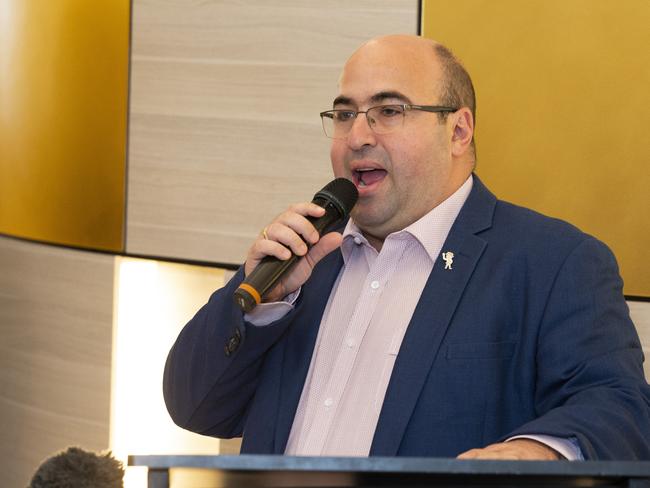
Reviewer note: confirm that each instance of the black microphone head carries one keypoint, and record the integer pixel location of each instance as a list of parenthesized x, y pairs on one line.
[(342, 193)]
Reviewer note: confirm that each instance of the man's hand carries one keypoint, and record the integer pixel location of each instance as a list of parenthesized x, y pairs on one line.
[(518, 449), (286, 234)]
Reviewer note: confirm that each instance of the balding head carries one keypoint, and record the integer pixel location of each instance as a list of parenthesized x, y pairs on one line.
[(449, 81), (408, 56), (405, 171)]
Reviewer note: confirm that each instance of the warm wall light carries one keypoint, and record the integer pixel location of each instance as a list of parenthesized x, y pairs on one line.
[(153, 301)]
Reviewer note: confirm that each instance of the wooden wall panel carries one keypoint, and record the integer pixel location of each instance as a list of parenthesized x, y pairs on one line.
[(640, 312), (224, 126), (55, 353)]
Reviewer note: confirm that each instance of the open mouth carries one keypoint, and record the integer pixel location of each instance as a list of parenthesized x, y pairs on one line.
[(367, 177)]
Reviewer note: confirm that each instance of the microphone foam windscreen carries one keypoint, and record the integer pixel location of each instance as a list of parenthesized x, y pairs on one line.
[(342, 193)]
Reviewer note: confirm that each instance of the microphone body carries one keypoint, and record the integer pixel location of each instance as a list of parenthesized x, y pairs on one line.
[(337, 198)]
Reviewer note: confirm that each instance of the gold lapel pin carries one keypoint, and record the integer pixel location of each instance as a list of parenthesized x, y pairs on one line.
[(449, 259)]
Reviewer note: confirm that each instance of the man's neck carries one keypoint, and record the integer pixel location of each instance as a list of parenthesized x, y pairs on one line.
[(376, 242)]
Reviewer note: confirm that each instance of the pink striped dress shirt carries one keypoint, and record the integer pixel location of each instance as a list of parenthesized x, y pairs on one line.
[(361, 332)]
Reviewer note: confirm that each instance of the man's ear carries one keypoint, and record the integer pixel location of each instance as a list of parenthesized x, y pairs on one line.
[(463, 131)]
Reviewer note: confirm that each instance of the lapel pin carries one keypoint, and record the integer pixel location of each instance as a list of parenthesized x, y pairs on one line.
[(449, 259)]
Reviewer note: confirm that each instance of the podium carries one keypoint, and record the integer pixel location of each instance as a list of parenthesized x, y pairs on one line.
[(277, 471)]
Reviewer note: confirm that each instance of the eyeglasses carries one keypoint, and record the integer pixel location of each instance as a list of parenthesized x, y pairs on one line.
[(382, 119)]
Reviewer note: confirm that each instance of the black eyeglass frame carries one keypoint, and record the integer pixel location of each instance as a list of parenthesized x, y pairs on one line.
[(404, 106)]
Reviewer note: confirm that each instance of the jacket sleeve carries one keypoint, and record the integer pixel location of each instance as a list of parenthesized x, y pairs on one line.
[(212, 370), (590, 381)]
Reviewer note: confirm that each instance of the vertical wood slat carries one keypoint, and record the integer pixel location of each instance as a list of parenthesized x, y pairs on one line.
[(224, 126)]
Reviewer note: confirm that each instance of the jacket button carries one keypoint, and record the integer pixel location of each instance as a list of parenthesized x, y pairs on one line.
[(233, 343)]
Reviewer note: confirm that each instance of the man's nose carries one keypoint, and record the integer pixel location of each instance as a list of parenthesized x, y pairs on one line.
[(360, 133)]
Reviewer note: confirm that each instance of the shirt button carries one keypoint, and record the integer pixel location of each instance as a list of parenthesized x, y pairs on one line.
[(350, 342), (357, 240), (374, 285), (328, 402)]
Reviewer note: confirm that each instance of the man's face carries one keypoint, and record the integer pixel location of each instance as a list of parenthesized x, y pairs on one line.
[(404, 174)]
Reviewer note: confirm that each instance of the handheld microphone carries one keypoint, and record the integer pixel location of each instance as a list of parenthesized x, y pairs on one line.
[(337, 198)]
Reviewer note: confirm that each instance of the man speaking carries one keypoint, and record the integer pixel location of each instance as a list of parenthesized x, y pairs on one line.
[(437, 321)]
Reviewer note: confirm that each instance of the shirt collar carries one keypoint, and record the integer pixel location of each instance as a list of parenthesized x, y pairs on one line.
[(430, 230)]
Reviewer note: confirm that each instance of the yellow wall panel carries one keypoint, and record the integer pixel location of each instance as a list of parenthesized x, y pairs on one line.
[(63, 113), (563, 110)]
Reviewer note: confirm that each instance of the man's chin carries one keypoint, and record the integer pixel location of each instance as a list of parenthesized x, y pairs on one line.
[(368, 222)]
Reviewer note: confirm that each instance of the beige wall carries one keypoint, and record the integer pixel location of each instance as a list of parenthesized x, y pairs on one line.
[(224, 132), (640, 312), (55, 353), (224, 129)]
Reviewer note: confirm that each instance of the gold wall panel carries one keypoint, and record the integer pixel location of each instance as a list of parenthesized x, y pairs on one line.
[(563, 109), (63, 116)]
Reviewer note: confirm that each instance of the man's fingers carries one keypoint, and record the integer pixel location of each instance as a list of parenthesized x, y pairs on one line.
[(488, 454), (268, 247), (299, 223), (290, 232), (307, 209), (471, 454), (293, 229), (287, 237), (302, 271), (518, 449)]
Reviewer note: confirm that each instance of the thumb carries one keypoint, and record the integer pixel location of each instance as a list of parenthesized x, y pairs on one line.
[(301, 273), (326, 244)]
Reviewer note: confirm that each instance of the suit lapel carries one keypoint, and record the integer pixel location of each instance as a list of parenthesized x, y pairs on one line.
[(431, 319)]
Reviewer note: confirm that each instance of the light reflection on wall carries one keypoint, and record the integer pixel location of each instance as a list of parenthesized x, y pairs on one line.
[(153, 301)]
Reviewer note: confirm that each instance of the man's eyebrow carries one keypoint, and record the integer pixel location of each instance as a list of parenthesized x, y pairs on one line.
[(342, 100), (394, 95), (376, 98)]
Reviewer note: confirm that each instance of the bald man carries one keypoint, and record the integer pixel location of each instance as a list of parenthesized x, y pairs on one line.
[(439, 321)]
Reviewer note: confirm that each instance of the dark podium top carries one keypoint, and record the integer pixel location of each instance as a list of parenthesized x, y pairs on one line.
[(290, 471)]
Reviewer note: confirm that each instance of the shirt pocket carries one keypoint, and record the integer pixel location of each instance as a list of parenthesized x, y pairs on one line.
[(481, 350)]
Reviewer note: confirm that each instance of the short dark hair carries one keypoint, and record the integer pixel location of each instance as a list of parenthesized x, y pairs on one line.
[(76, 468), (457, 89)]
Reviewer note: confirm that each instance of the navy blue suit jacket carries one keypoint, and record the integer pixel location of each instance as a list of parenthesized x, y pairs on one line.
[(528, 333)]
